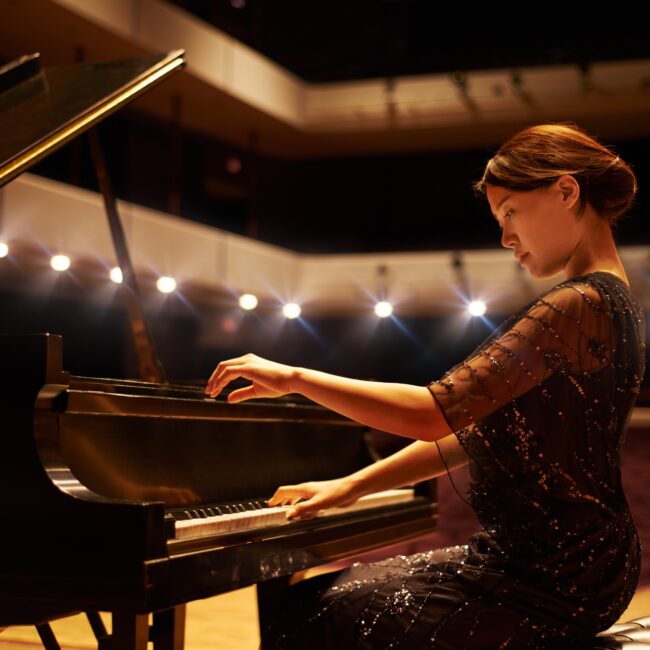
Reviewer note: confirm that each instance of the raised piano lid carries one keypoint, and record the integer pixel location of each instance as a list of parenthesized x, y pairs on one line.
[(42, 109)]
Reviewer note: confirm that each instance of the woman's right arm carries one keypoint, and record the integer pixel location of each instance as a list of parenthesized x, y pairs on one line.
[(416, 462)]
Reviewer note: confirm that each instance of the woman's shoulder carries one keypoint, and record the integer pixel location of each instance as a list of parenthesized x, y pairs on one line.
[(598, 296), (570, 295), (597, 288)]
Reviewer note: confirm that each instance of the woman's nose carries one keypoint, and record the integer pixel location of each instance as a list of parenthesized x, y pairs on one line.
[(508, 239)]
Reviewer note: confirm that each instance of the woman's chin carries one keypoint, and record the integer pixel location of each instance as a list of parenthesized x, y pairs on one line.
[(541, 273)]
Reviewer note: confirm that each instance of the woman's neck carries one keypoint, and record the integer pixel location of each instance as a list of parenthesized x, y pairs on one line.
[(596, 251)]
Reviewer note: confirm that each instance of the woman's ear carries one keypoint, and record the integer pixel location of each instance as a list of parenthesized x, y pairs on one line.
[(569, 190)]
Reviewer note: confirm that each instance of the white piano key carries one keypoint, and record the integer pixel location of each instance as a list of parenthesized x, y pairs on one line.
[(277, 515)]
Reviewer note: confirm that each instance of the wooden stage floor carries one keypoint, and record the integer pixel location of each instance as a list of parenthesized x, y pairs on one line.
[(226, 622)]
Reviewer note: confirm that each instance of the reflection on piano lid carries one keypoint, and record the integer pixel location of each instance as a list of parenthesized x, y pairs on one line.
[(41, 110)]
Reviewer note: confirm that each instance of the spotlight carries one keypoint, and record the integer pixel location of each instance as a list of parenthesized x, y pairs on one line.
[(248, 301), (60, 262), (291, 310), (166, 284), (383, 309), (476, 308), (4, 249), (116, 275)]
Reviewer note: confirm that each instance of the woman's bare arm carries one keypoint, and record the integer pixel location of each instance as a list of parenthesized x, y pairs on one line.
[(402, 409), (417, 462)]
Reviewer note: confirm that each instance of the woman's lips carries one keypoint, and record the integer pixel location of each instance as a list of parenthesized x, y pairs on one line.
[(521, 257)]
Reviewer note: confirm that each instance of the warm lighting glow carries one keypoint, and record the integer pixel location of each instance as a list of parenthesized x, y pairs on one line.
[(60, 262), (233, 165), (248, 301), (166, 284), (476, 308), (4, 249), (291, 310), (116, 275), (383, 309), (229, 325)]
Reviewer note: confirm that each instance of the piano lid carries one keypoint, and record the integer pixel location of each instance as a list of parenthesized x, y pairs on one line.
[(42, 109)]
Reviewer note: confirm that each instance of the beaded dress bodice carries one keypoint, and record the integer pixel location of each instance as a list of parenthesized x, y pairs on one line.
[(541, 408)]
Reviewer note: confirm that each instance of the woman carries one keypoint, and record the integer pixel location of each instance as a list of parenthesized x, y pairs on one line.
[(539, 410)]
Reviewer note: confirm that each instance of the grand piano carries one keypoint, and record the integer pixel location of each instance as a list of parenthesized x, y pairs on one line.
[(137, 496)]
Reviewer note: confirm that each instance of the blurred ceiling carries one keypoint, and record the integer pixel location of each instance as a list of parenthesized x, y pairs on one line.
[(315, 79), (325, 79), (329, 40)]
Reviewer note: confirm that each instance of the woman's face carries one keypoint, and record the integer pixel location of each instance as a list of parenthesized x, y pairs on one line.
[(539, 225)]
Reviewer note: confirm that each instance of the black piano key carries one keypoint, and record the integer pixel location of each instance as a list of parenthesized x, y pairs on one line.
[(213, 510)]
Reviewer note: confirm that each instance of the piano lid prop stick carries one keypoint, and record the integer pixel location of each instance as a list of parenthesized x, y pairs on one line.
[(149, 366)]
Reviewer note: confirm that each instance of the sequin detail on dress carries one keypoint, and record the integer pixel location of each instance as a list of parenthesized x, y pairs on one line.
[(540, 407)]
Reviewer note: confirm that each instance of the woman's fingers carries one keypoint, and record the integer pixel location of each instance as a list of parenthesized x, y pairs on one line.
[(306, 499), (290, 494), (305, 509), (242, 394), (222, 367), (269, 379), (227, 374)]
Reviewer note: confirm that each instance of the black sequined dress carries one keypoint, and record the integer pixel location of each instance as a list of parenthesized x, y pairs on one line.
[(541, 408)]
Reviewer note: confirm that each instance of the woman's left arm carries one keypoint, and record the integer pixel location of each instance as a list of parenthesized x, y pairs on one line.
[(402, 409)]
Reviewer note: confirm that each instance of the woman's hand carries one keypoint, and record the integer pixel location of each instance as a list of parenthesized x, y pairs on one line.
[(317, 495), (269, 379)]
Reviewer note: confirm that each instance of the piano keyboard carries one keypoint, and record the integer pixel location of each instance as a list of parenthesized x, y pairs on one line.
[(277, 515)]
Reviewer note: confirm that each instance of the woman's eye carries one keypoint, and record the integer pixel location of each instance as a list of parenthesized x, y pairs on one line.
[(508, 214)]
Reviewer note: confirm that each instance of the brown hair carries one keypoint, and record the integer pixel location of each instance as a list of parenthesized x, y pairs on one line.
[(535, 157)]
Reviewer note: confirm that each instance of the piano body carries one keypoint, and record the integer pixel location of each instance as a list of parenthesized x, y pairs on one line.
[(138, 496)]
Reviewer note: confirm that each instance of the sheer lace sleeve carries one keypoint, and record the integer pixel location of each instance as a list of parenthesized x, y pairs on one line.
[(567, 329)]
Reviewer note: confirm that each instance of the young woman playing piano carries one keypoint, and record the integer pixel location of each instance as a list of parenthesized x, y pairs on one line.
[(538, 410)]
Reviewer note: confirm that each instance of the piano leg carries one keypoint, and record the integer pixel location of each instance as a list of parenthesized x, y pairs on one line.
[(270, 594), (132, 632), (99, 630), (47, 637), (168, 632)]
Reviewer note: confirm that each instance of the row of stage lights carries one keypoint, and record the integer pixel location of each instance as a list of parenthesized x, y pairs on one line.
[(247, 301)]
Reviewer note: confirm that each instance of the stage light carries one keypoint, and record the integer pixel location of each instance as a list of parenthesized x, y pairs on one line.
[(248, 301), (166, 284), (116, 275), (383, 309), (60, 262), (476, 308), (291, 310), (4, 249)]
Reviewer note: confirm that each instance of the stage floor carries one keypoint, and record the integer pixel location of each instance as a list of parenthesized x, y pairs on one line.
[(226, 622)]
